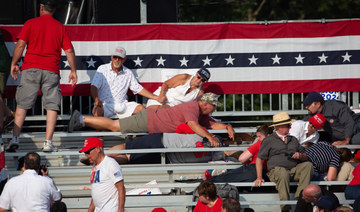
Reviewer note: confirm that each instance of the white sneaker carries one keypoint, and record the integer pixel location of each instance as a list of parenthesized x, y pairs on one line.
[(13, 145), (49, 147)]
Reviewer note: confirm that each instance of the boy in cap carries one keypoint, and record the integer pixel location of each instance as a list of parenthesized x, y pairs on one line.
[(180, 89), (195, 114), (342, 124), (284, 157), (110, 86), (44, 38), (306, 131), (107, 182)]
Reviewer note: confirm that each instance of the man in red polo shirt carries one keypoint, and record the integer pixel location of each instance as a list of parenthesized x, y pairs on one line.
[(44, 38)]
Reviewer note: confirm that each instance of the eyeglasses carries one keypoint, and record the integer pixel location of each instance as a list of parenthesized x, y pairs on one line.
[(88, 152), (200, 78)]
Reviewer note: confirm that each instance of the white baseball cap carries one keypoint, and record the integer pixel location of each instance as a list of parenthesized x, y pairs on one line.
[(119, 51)]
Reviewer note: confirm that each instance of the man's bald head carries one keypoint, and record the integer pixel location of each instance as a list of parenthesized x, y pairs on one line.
[(312, 193)]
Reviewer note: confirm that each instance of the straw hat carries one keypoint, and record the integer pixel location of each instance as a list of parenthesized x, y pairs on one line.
[(281, 118)]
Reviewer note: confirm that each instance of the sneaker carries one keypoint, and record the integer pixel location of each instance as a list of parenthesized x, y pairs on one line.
[(48, 147), (74, 123), (13, 145), (85, 161), (8, 121)]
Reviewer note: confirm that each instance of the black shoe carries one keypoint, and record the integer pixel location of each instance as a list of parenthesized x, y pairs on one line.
[(85, 161)]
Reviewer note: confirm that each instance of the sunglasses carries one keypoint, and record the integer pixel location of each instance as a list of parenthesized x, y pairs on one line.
[(200, 78), (88, 152)]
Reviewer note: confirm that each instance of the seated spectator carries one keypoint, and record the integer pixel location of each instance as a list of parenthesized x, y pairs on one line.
[(247, 172), (306, 131), (208, 199), (352, 190), (357, 204), (342, 124), (325, 159), (346, 168), (324, 204), (311, 194), (180, 89), (284, 158), (110, 85), (231, 205), (194, 113)]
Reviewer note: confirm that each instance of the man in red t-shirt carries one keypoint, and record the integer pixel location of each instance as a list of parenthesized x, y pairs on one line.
[(44, 37), (195, 114)]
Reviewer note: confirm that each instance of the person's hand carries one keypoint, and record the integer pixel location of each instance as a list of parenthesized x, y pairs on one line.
[(230, 131), (14, 70), (258, 181), (98, 109), (161, 98), (343, 142), (73, 78), (214, 141), (296, 156), (46, 172)]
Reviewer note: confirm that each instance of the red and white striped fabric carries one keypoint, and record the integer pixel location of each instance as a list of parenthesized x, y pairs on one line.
[(242, 58)]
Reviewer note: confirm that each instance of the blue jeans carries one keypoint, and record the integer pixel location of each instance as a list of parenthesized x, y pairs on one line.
[(352, 192), (245, 173)]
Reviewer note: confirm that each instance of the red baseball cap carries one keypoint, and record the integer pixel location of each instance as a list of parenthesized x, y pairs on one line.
[(158, 210), (318, 121), (90, 143)]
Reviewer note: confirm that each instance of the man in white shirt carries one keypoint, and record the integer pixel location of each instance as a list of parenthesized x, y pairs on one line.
[(306, 131), (111, 84), (29, 191), (107, 182)]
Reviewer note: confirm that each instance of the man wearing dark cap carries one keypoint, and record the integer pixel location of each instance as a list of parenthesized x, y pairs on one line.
[(43, 37), (195, 114), (342, 124), (180, 89), (107, 181), (110, 85)]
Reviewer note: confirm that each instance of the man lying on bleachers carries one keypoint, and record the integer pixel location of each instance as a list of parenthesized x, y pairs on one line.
[(195, 114), (167, 140)]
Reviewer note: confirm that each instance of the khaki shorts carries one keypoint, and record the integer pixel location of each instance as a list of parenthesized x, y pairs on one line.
[(3, 79), (34, 79), (134, 124)]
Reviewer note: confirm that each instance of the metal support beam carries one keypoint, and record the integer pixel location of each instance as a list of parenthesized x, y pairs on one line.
[(143, 14)]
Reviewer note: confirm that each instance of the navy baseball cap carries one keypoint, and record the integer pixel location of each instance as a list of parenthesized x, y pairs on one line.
[(325, 202), (313, 96), (204, 73)]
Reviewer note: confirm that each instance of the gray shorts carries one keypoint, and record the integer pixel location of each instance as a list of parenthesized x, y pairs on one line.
[(134, 124), (34, 79)]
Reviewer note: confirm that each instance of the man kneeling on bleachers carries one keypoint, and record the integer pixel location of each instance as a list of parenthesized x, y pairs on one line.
[(284, 155)]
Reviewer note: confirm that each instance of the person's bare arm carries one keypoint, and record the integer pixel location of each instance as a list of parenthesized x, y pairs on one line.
[(121, 194), (245, 156), (196, 127), (18, 51), (144, 92), (173, 82), (91, 207), (70, 55), (98, 106), (331, 174), (228, 127), (259, 168)]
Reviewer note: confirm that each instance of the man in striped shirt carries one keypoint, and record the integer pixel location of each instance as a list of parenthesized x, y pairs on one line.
[(326, 160)]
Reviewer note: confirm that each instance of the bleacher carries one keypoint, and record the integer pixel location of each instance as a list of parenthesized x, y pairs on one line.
[(173, 180)]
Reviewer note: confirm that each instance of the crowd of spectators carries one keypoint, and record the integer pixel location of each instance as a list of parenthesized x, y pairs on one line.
[(177, 115)]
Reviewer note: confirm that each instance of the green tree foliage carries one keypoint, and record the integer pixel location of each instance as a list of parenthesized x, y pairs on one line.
[(261, 10)]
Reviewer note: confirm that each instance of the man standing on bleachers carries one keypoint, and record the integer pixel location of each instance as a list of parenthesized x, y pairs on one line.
[(30, 191), (283, 154), (107, 182), (43, 37), (342, 124)]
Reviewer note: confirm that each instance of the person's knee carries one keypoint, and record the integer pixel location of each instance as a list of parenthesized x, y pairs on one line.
[(138, 108)]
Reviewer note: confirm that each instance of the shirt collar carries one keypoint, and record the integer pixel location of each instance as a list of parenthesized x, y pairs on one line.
[(282, 137), (30, 171)]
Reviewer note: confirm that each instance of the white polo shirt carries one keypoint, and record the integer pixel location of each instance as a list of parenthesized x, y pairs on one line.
[(29, 192), (112, 87), (299, 129)]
